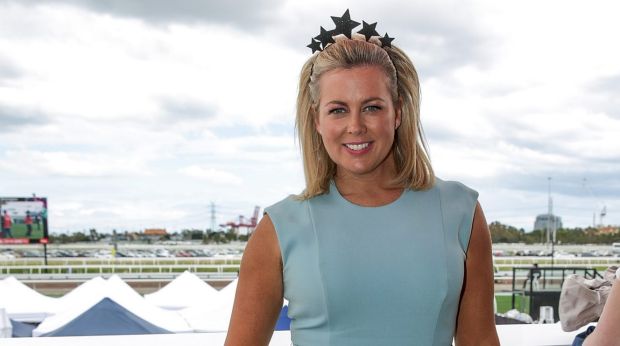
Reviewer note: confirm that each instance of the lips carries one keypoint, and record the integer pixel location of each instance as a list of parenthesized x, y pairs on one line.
[(358, 147)]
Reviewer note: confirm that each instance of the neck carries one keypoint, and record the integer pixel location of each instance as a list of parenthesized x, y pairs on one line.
[(381, 177), (373, 189)]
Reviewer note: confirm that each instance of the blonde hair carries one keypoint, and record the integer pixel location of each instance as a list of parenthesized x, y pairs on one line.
[(409, 150)]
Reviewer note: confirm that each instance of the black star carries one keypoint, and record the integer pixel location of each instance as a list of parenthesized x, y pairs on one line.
[(344, 24), (325, 37), (314, 45), (368, 30), (386, 41)]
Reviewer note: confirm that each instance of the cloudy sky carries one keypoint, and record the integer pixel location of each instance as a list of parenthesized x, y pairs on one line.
[(130, 114)]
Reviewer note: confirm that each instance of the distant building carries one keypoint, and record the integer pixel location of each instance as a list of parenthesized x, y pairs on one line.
[(554, 222), (155, 231), (154, 234), (608, 230)]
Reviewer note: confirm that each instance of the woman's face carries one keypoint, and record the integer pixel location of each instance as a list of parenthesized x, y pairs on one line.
[(356, 119)]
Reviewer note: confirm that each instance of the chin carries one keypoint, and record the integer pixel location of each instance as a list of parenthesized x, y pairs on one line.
[(358, 170)]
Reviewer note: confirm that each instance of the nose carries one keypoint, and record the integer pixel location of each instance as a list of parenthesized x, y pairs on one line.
[(356, 124)]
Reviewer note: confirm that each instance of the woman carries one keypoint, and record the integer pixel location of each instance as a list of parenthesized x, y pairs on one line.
[(375, 251)]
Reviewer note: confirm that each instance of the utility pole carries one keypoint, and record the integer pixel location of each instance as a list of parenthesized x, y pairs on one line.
[(212, 217), (551, 224), (594, 220), (549, 210)]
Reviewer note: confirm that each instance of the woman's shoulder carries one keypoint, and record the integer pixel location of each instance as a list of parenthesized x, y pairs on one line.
[(458, 205), (289, 203), (453, 189), (290, 218), (288, 210)]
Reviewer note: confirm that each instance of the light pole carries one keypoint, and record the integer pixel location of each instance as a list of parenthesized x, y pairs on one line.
[(550, 220)]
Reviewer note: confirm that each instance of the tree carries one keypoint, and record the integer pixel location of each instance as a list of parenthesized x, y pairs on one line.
[(501, 233)]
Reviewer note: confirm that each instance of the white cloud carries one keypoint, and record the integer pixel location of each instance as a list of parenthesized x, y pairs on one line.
[(118, 68), (39, 163), (123, 117), (212, 175)]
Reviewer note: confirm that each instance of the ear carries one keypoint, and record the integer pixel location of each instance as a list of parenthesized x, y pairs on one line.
[(317, 125), (398, 112)]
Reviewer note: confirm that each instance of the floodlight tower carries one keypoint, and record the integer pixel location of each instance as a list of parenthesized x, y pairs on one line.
[(212, 217), (603, 211), (549, 210), (551, 223)]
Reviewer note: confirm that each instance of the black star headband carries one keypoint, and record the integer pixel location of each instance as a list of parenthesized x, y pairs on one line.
[(345, 26)]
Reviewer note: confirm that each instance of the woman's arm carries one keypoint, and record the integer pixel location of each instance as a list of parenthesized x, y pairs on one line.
[(607, 332), (258, 300), (475, 323)]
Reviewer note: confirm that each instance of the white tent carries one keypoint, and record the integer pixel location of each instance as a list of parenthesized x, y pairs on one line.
[(92, 292), (106, 318), (78, 295), (184, 291), (215, 316), (24, 304)]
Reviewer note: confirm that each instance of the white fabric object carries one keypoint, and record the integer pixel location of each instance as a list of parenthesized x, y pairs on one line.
[(91, 292), (6, 328), (184, 291), (214, 317), (24, 304)]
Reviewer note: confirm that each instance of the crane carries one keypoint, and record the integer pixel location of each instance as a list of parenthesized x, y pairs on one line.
[(250, 224)]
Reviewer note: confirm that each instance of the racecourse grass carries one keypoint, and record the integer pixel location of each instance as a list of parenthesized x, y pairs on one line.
[(504, 303)]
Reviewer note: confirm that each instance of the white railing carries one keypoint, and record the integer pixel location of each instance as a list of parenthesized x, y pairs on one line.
[(557, 262), (63, 261), (164, 267), (96, 270)]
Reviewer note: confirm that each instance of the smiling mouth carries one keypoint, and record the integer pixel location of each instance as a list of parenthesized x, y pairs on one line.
[(357, 147)]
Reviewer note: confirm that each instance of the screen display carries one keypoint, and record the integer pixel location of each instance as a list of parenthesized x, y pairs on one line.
[(23, 220)]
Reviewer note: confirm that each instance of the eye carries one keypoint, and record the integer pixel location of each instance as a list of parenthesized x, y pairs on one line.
[(372, 108), (336, 111)]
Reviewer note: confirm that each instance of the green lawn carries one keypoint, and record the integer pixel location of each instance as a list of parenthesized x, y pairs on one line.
[(504, 303)]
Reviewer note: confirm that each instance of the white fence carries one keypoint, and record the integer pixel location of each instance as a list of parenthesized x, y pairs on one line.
[(221, 267), (586, 262)]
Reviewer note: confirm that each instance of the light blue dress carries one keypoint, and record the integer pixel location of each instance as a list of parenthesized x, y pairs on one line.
[(389, 275)]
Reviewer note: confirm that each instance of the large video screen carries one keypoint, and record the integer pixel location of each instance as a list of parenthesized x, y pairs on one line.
[(23, 220)]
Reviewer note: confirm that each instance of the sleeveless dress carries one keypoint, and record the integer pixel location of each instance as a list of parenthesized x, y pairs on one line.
[(388, 275)]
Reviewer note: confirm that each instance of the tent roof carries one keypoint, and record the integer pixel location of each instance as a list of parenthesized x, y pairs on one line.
[(184, 291), (107, 318), (90, 293), (24, 304), (214, 317)]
